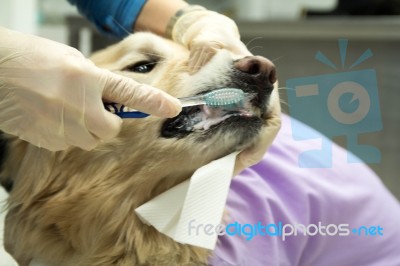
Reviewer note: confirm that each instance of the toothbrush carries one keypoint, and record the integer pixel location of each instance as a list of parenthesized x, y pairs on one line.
[(216, 98)]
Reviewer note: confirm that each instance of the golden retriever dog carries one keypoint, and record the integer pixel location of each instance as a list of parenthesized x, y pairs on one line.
[(76, 207)]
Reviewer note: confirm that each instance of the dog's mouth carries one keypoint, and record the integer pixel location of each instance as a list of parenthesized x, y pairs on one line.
[(203, 118)]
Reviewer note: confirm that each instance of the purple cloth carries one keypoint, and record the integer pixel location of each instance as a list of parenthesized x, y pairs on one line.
[(278, 190)]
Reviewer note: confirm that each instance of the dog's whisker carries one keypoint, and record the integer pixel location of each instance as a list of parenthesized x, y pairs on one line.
[(255, 47), (281, 99), (285, 88), (252, 40), (276, 59), (283, 102)]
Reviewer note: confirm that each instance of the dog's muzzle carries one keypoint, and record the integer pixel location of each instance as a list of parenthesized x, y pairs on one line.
[(255, 75)]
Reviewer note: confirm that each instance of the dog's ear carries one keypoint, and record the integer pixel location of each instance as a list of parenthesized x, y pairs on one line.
[(6, 182)]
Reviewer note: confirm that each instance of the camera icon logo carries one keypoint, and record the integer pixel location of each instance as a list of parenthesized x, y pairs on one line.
[(360, 98), (338, 104)]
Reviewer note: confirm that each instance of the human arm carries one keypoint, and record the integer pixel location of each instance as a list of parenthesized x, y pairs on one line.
[(51, 95)]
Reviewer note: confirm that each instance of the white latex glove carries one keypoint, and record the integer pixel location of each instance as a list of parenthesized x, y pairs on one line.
[(51, 95), (255, 153), (203, 32)]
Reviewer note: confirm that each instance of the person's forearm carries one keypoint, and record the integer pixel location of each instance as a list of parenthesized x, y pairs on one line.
[(156, 14)]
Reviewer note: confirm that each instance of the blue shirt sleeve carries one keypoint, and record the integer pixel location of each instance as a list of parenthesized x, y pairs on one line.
[(111, 17)]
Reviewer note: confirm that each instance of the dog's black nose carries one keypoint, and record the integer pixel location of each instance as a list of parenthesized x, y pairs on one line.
[(260, 68)]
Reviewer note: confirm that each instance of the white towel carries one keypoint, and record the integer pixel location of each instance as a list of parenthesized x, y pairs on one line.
[(198, 201)]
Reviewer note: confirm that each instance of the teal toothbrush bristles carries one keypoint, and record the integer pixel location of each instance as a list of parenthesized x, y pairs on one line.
[(224, 97), (217, 98)]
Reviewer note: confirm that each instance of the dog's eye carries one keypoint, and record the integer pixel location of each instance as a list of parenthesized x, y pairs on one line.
[(141, 67)]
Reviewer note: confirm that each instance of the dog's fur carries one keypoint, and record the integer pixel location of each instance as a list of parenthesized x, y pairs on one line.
[(77, 207)]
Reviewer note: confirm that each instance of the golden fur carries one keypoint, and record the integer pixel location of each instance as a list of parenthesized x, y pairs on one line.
[(76, 207)]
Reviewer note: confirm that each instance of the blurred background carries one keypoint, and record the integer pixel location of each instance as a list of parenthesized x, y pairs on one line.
[(289, 32)]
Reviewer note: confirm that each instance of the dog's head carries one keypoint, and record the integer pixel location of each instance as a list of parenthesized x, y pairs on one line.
[(151, 151), (78, 203), (200, 131)]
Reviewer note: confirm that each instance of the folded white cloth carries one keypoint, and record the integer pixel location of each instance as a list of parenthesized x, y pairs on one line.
[(198, 201)]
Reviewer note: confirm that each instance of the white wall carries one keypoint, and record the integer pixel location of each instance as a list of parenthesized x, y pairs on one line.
[(19, 15), (261, 10)]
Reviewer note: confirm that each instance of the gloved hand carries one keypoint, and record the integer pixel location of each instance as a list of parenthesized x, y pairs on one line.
[(204, 32), (255, 153), (51, 95)]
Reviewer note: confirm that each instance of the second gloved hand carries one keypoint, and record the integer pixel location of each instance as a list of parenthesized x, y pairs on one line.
[(204, 32), (51, 95), (252, 155)]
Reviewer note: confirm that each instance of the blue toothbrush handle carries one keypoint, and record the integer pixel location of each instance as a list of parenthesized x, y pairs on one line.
[(119, 111), (133, 114)]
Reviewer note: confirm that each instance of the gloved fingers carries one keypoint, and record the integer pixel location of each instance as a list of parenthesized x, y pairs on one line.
[(142, 97), (52, 94), (46, 143), (103, 124), (55, 130), (204, 33), (42, 138), (19, 118), (201, 53), (255, 153), (84, 118), (75, 131), (40, 135)]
